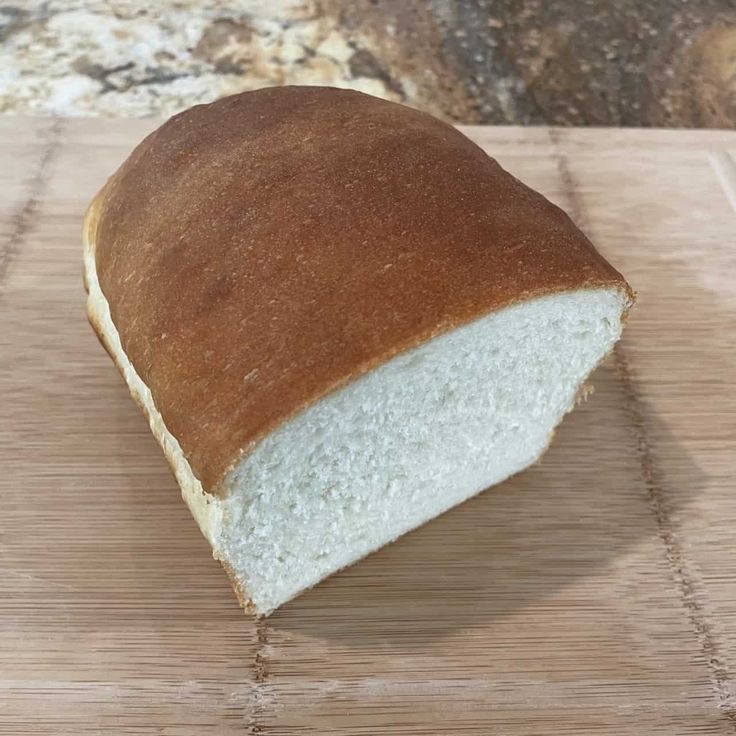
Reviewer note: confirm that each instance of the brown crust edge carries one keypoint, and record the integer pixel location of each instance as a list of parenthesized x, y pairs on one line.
[(245, 602)]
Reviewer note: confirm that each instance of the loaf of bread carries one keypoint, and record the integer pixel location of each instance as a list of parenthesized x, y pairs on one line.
[(341, 318)]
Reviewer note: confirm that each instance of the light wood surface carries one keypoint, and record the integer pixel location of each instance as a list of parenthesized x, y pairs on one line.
[(595, 593)]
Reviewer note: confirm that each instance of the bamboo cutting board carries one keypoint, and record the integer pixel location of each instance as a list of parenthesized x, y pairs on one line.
[(594, 593)]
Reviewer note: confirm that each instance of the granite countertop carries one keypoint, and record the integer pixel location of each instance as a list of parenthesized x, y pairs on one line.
[(563, 62)]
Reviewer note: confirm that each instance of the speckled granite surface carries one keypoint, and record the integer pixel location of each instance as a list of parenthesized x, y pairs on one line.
[(564, 62)]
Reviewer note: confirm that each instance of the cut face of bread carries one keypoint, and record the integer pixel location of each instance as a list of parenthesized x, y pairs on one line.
[(408, 441), (398, 446), (341, 318)]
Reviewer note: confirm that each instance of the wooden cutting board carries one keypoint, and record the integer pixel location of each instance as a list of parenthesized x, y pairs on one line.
[(594, 593)]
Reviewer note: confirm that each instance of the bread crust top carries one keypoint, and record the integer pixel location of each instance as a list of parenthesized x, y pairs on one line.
[(261, 251)]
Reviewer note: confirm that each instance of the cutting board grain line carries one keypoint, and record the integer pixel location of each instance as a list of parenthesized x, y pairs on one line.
[(594, 593)]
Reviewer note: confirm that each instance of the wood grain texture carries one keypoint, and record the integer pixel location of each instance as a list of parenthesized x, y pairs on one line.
[(595, 592)]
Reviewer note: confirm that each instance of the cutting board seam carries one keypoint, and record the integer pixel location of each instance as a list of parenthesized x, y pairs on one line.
[(260, 675), (690, 589), (23, 220)]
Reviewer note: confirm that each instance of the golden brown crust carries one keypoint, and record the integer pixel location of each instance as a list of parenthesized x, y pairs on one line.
[(263, 250)]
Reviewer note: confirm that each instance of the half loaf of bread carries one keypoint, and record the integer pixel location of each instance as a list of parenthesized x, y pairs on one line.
[(341, 318)]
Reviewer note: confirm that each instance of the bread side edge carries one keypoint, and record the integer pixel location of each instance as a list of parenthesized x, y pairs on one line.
[(206, 508)]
